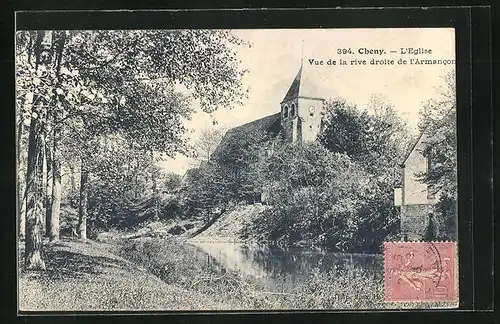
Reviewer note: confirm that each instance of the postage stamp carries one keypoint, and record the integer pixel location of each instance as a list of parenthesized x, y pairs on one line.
[(420, 271)]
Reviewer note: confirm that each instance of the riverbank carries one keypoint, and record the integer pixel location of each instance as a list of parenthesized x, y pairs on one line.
[(89, 276), (180, 262), (166, 274)]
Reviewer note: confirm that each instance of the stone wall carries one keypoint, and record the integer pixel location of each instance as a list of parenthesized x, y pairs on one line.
[(414, 221)]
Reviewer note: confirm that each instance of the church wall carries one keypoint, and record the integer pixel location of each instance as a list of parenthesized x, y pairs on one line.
[(311, 124)]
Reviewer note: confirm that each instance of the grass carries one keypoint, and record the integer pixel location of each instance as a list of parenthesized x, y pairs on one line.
[(86, 276)]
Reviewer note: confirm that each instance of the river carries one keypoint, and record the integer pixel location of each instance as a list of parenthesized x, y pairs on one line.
[(274, 267)]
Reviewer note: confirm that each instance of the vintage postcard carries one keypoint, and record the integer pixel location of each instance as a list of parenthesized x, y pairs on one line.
[(245, 169)]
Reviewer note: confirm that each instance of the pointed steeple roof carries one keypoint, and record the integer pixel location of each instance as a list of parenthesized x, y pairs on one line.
[(293, 92), (303, 86)]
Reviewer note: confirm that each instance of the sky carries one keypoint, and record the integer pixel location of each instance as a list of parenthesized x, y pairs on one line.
[(275, 56)]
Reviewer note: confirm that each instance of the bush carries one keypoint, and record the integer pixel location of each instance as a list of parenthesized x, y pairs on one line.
[(170, 209), (324, 199), (447, 217)]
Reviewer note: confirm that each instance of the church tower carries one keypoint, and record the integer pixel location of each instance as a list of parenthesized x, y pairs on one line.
[(302, 109)]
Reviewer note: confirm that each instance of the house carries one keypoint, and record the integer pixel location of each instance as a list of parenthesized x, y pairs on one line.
[(415, 198)]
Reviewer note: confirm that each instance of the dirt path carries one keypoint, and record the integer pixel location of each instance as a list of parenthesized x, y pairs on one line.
[(86, 276)]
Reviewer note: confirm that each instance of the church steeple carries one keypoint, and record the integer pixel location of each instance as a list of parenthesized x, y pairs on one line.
[(293, 91), (301, 108)]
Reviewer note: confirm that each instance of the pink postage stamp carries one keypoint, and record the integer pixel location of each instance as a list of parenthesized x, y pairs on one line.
[(420, 271)]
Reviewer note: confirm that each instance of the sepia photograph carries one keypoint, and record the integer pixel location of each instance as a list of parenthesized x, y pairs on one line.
[(236, 169)]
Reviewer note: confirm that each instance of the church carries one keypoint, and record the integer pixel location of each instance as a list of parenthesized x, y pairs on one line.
[(299, 118)]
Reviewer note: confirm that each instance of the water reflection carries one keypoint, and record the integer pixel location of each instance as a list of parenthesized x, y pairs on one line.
[(273, 266)]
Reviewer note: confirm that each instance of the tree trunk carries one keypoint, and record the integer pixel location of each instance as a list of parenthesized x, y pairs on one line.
[(82, 211), (22, 214), (72, 181), (55, 206), (48, 187), (21, 199), (34, 259), (34, 190), (56, 191)]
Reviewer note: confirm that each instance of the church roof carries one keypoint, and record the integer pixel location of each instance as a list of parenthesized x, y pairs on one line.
[(269, 123), (261, 124), (304, 85)]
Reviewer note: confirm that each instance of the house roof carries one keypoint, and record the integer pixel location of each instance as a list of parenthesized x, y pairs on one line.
[(407, 155), (304, 85), (269, 123), (424, 134)]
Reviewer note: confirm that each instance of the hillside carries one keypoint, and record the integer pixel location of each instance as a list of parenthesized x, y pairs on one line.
[(228, 227)]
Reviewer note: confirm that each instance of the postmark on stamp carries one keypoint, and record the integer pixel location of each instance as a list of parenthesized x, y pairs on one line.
[(420, 272)]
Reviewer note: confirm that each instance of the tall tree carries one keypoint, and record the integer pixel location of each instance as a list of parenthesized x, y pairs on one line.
[(34, 187), (438, 121), (25, 67), (375, 138)]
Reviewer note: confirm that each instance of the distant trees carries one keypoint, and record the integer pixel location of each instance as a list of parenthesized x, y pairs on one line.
[(376, 139), (172, 182), (206, 189), (228, 177), (207, 143), (438, 119), (79, 88)]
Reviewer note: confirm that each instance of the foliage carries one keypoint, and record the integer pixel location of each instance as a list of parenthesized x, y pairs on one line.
[(170, 209), (131, 87), (438, 119), (172, 182), (377, 137), (446, 210), (344, 127), (229, 177), (438, 123), (206, 189), (315, 195), (430, 231)]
